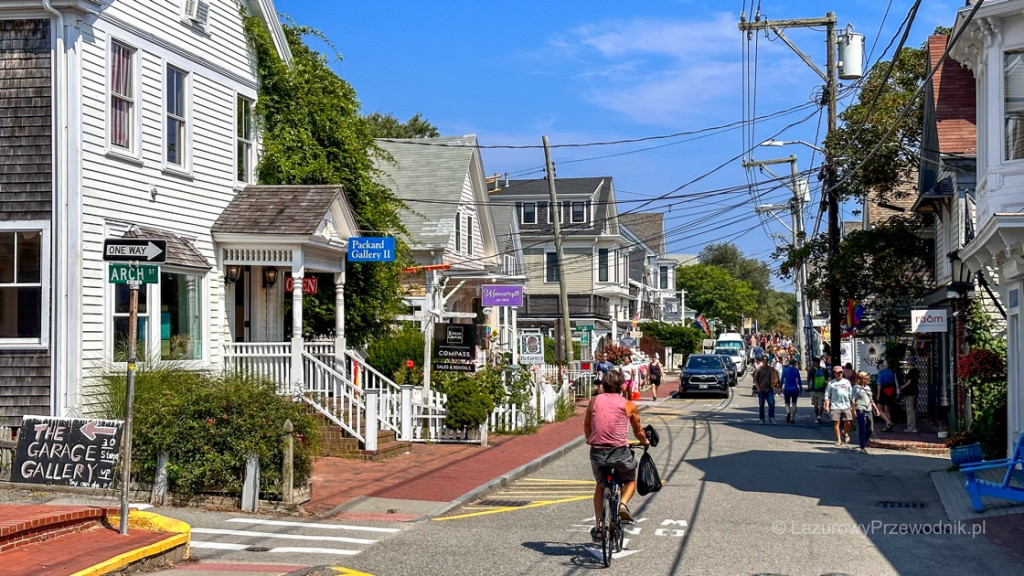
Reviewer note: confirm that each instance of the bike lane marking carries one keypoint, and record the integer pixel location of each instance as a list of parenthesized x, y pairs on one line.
[(503, 509)]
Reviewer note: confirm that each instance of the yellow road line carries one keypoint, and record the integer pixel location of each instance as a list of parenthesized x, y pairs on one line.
[(348, 571), (537, 504)]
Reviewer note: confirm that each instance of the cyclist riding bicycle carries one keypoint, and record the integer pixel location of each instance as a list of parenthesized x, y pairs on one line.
[(606, 428)]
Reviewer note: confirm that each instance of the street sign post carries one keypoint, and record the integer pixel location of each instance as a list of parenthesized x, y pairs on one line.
[(135, 250), (127, 273)]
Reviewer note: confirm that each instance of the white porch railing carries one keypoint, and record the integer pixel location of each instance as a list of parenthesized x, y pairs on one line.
[(361, 404), (269, 360)]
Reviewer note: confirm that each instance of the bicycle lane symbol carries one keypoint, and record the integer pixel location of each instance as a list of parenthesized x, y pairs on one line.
[(668, 528)]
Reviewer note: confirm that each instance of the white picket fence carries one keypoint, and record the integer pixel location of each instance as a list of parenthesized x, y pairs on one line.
[(543, 404)]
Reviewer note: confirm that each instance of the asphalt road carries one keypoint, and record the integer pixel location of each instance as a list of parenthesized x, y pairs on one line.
[(739, 498)]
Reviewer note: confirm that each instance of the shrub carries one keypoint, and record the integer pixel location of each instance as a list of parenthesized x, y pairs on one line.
[(565, 407), (209, 424), (469, 403), (389, 354)]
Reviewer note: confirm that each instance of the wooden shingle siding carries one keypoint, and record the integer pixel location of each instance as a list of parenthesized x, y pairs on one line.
[(24, 385), (25, 121)]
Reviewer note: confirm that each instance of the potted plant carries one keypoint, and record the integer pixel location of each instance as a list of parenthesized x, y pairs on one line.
[(964, 447)]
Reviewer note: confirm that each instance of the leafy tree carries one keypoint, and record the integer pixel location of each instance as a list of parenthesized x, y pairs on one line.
[(879, 145), (312, 133), (682, 339), (715, 293), (387, 126), (884, 268), (772, 308)]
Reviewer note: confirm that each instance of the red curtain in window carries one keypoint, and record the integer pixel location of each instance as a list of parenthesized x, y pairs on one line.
[(120, 95)]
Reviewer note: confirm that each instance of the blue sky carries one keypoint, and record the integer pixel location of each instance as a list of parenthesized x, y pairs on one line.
[(605, 71)]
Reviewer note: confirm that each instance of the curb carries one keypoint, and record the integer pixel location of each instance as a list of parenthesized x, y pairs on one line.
[(511, 476), (181, 534)]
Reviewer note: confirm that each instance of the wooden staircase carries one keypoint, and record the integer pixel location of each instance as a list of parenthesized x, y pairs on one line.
[(336, 442)]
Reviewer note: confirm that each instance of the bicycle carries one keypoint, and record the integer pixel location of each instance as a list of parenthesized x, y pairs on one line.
[(612, 532)]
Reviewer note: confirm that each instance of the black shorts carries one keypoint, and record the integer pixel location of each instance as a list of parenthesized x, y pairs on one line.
[(621, 458)]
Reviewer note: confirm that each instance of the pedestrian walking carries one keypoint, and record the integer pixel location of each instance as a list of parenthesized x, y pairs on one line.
[(602, 367), (817, 381), (791, 386), (864, 403), (909, 392), (839, 404), (765, 392), (886, 397), (655, 375)]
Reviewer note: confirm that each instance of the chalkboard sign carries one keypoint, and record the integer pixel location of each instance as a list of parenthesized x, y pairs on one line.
[(67, 451)]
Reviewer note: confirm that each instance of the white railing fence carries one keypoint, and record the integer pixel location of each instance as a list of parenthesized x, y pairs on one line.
[(269, 360)]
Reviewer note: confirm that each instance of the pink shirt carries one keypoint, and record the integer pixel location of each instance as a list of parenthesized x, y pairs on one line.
[(608, 421)]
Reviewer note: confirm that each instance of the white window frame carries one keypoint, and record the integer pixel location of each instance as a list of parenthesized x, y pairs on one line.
[(185, 167), (45, 258), (134, 149), (583, 212), (153, 307), (522, 215), (469, 234), (458, 232), (241, 141), (605, 266)]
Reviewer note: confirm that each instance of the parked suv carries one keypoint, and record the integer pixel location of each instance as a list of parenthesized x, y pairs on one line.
[(737, 356), (727, 354), (704, 373)]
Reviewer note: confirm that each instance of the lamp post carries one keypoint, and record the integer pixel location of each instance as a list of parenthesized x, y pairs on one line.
[(960, 290)]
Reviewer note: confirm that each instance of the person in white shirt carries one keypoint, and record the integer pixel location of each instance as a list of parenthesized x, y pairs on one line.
[(839, 404)]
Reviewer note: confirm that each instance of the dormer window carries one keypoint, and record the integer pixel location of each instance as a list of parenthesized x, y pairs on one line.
[(579, 213), (529, 213)]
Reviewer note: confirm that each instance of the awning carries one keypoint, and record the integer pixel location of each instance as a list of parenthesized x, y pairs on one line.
[(180, 250)]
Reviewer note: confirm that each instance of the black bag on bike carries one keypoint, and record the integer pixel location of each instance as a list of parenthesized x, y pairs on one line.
[(652, 435), (647, 478)]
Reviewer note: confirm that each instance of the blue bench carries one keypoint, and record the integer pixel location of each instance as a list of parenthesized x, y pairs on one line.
[(977, 487)]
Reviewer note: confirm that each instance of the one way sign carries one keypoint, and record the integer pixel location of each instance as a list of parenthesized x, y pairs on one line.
[(134, 250)]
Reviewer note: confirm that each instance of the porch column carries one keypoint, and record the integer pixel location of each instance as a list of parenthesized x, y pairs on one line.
[(339, 321), (297, 375)]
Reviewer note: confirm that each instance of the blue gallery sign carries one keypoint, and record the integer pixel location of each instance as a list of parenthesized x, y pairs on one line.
[(371, 249)]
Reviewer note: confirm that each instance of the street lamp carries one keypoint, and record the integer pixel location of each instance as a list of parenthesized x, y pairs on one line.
[(962, 284), (788, 142)]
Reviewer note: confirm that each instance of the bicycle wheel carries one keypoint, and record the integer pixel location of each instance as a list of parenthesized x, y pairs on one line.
[(607, 523), (617, 532)]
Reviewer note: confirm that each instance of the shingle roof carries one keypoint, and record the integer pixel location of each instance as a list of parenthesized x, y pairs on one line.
[(180, 251), (277, 210), (648, 226), (428, 169), (567, 189)]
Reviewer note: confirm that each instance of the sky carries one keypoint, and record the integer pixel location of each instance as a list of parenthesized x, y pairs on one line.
[(668, 97)]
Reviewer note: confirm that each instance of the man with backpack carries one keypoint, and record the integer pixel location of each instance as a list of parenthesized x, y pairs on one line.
[(817, 380)]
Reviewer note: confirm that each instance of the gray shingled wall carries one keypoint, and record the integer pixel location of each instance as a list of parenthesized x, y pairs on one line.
[(26, 151)]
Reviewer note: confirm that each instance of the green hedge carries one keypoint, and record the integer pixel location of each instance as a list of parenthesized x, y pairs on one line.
[(209, 424)]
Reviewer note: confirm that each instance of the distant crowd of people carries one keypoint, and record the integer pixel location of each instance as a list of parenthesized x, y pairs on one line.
[(842, 398), (637, 376)]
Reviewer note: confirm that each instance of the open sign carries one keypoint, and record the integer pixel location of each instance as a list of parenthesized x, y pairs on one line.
[(309, 285)]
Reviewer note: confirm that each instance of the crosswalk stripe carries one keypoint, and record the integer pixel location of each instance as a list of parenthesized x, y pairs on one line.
[(252, 534), (314, 525), (217, 545), (293, 550)]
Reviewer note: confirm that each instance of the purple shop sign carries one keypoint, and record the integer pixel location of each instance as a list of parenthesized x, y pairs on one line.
[(498, 295)]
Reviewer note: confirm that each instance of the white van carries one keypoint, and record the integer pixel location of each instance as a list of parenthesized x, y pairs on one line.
[(735, 340)]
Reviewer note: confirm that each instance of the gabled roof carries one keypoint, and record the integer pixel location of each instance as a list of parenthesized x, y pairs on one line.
[(286, 210), (599, 190), (268, 13), (429, 175), (648, 226), (180, 250)]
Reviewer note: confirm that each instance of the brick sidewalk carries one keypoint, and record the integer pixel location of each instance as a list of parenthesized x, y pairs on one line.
[(435, 472)]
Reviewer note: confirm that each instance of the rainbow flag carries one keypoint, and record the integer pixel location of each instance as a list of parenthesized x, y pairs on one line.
[(854, 312)]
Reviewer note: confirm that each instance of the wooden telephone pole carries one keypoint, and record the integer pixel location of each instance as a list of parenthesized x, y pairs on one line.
[(556, 219)]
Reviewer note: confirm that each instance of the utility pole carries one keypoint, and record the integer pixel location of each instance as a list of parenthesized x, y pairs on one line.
[(556, 218), (796, 210), (831, 198)]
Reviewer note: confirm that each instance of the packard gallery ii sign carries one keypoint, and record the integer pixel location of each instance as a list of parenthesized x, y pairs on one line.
[(371, 249)]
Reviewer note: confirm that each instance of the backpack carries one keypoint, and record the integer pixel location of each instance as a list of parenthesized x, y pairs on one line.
[(819, 382)]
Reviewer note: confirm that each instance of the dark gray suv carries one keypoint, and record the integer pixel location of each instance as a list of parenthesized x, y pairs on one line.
[(705, 373)]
